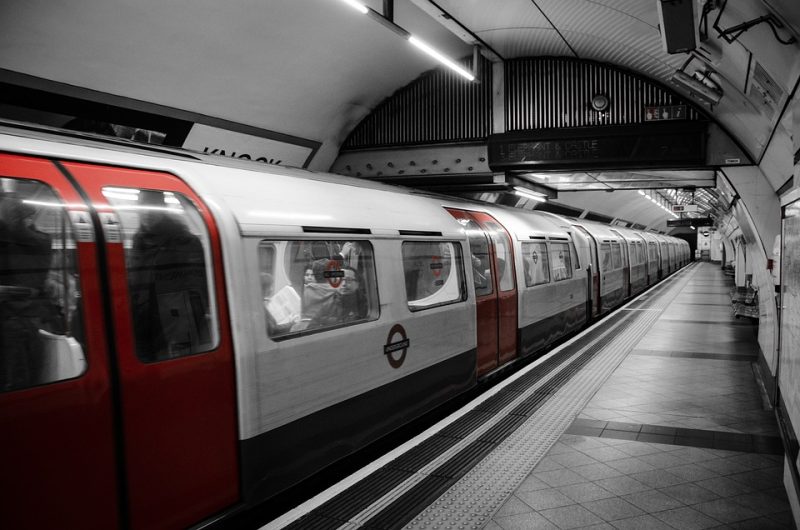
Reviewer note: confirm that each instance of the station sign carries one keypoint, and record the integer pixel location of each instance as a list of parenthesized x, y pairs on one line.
[(233, 144), (683, 208)]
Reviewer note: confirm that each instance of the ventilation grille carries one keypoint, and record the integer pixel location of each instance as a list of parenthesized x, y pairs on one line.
[(437, 107), (551, 92)]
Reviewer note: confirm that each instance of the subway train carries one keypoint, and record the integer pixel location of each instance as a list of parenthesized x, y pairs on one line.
[(186, 335)]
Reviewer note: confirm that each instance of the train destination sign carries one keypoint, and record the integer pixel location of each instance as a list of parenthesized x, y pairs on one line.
[(668, 144)]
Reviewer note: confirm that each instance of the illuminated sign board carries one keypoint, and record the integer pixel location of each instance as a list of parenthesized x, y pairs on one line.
[(654, 145), (691, 221)]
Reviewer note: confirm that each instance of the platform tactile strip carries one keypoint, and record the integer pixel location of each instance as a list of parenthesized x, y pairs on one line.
[(472, 501)]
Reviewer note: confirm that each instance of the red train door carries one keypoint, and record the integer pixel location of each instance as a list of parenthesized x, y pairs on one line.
[(174, 353), (55, 394), (594, 282), (492, 259)]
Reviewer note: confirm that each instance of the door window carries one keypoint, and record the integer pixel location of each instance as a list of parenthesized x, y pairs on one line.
[(616, 255), (41, 322), (505, 258), (169, 273), (480, 257), (605, 253), (572, 252)]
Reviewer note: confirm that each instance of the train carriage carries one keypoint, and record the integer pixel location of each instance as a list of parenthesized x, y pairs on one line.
[(634, 259), (311, 370), (612, 287), (552, 279)]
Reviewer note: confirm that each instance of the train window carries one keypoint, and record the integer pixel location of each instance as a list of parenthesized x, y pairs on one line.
[(574, 254), (315, 285), (41, 323), (536, 262), (653, 251), (560, 261), (170, 278), (433, 274), (616, 254), (505, 264)]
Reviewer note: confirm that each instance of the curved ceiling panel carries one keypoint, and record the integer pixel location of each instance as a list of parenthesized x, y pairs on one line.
[(638, 59), (518, 42)]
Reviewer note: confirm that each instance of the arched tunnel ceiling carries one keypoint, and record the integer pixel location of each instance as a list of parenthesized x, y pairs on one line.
[(313, 69)]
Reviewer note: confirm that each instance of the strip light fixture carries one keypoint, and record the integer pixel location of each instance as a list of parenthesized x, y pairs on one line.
[(654, 200), (357, 5), (441, 58), (418, 43)]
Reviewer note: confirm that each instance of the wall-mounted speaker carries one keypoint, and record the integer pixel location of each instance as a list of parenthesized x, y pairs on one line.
[(678, 27)]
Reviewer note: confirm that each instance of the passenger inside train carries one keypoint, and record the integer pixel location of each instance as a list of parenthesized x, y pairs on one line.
[(39, 294), (167, 274), (323, 284)]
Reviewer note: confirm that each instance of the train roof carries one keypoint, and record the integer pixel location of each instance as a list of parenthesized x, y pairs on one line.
[(527, 224), (258, 195)]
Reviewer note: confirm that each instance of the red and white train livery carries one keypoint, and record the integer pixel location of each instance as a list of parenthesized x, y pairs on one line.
[(181, 335)]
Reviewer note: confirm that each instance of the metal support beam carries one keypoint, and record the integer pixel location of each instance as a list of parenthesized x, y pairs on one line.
[(388, 10)]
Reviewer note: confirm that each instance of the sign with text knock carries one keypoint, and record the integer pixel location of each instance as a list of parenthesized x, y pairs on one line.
[(222, 142)]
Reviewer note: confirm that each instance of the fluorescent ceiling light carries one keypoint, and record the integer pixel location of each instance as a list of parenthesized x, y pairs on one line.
[(641, 192), (357, 5), (439, 57), (529, 195)]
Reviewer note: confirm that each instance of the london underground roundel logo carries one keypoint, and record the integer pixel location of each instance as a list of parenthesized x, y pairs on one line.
[(396, 346)]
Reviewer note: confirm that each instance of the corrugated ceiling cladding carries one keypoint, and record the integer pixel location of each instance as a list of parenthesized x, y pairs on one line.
[(437, 107), (541, 93), (554, 92)]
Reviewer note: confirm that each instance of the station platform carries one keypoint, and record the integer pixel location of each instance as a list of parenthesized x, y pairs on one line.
[(654, 418)]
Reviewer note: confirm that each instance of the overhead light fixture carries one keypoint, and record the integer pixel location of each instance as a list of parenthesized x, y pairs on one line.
[(357, 5), (441, 58), (641, 192), (386, 19), (522, 192), (700, 85)]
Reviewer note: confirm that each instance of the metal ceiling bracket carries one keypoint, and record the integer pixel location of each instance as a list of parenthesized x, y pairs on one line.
[(388, 10)]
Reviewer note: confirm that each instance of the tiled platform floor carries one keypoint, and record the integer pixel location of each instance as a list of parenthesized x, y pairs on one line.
[(677, 438)]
